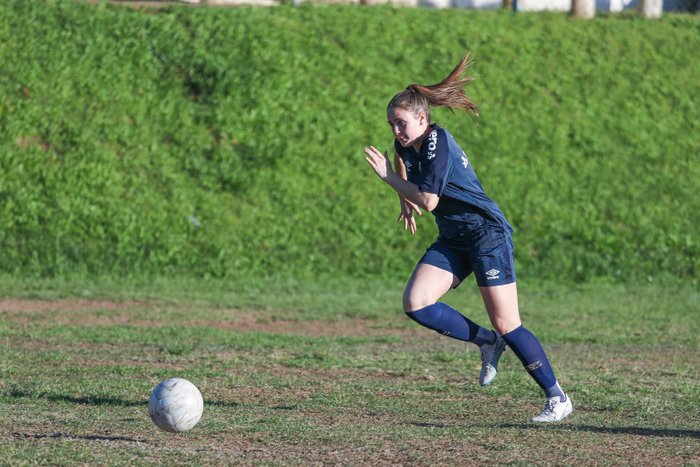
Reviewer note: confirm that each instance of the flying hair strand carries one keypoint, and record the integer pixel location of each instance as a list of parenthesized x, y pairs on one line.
[(447, 93)]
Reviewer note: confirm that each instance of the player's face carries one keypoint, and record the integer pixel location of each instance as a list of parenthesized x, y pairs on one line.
[(408, 128)]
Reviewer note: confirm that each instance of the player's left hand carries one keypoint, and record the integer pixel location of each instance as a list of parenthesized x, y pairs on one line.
[(379, 162), (407, 210)]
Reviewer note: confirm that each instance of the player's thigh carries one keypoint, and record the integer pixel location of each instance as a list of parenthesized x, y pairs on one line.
[(426, 285), (494, 270), (501, 303)]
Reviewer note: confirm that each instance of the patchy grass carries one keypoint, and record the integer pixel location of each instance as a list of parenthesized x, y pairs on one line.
[(75, 376)]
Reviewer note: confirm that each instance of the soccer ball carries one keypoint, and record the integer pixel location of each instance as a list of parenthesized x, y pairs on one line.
[(176, 405)]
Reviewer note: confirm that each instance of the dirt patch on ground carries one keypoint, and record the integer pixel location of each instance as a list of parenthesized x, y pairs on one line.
[(78, 312), (29, 306), (332, 328)]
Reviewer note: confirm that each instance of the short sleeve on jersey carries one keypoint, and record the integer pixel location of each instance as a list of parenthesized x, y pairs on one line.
[(435, 160)]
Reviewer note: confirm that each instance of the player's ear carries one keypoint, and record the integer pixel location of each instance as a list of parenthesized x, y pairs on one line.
[(422, 118)]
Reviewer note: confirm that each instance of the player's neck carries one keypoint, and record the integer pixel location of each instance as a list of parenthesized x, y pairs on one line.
[(419, 142)]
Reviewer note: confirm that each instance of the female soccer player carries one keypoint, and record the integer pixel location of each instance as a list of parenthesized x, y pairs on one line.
[(434, 174)]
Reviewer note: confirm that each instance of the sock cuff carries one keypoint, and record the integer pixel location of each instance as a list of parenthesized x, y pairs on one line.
[(434, 308), (427, 316), (514, 333), (424, 308)]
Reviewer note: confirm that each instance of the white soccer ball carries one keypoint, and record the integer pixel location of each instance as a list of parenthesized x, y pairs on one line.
[(176, 405)]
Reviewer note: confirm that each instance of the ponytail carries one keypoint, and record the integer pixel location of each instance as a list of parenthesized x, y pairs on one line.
[(447, 93)]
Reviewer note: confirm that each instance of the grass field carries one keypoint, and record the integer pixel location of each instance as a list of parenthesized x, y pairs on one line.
[(333, 373), (226, 143)]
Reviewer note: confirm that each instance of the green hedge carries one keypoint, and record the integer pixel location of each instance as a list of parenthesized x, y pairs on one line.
[(228, 142)]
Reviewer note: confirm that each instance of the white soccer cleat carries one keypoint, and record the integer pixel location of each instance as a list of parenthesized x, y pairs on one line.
[(554, 410), (490, 355)]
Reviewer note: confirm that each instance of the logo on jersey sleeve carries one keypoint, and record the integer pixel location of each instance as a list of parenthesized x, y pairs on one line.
[(465, 161), (432, 144)]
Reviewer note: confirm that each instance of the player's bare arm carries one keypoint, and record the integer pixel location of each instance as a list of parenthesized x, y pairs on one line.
[(407, 207), (382, 167)]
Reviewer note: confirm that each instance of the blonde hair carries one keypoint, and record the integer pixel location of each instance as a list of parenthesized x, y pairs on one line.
[(449, 93)]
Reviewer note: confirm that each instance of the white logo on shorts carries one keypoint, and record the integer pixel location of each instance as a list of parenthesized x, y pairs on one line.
[(493, 274)]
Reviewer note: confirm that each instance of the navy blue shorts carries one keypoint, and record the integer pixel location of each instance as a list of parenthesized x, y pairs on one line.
[(491, 261)]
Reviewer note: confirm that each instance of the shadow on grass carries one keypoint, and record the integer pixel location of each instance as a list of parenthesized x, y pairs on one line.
[(98, 400), (626, 430), (88, 400), (58, 435), (430, 425)]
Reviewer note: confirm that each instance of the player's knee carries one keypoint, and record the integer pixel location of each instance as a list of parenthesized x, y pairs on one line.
[(414, 302), (505, 325)]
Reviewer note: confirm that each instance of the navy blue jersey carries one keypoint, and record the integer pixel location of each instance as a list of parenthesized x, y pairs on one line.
[(443, 168)]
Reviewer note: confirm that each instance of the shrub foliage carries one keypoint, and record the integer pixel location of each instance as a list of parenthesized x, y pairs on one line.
[(227, 142)]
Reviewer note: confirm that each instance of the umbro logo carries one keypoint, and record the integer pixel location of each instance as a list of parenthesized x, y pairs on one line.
[(493, 274)]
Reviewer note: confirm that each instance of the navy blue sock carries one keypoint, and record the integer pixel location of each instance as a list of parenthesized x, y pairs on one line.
[(450, 322), (530, 352)]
